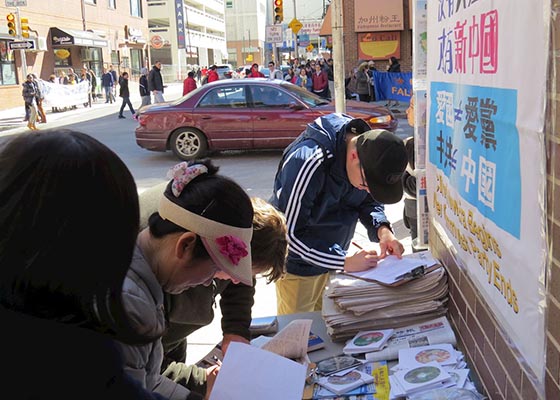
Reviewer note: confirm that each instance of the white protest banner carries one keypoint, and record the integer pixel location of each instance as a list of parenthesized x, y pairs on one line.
[(486, 160), (57, 95)]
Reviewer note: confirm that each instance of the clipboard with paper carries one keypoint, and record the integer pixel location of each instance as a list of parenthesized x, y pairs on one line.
[(391, 271)]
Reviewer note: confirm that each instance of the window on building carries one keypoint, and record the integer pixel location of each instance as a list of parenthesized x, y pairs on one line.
[(136, 8), (113, 4), (7, 65), (62, 57)]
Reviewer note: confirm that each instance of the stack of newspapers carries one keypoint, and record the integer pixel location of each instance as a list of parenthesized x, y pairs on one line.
[(351, 304)]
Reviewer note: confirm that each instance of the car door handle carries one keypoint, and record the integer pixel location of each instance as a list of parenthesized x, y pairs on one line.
[(261, 118), (207, 117)]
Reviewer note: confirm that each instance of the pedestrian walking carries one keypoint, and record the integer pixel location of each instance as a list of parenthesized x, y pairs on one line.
[(144, 92), (189, 84), (107, 85), (213, 74), (125, 94), (155, 83), (115, 81), (29, 94)]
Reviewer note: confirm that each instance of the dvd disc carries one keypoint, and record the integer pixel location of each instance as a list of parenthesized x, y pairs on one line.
[(437, 355), (335, 364), (368, 338), (422, 375), (350, 377)]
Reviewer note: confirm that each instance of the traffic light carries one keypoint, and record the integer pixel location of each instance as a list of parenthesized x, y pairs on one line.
[(12, 28), (278, 11), (24, 25)]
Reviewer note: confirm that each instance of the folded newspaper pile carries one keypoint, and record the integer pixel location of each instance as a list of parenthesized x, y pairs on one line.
[(351, 305)]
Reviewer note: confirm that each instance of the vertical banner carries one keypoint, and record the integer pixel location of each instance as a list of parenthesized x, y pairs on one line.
[(486, 160), (180, 21)]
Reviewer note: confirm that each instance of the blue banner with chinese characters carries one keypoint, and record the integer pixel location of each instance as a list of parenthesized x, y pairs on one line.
[(475, 142), (392, 85)]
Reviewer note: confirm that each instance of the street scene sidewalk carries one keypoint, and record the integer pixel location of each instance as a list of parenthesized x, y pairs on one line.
[(11, 120)]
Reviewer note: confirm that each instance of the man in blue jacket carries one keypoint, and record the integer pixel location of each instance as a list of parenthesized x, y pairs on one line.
[(322, 186)]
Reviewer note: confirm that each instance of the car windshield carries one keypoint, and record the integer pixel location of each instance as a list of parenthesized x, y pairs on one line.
[(307, 97), (185, 97)]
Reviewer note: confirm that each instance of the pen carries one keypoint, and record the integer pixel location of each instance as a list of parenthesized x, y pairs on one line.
[(357, 245)]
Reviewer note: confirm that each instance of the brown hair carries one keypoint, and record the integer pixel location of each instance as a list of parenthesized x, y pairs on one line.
[(269, 245)]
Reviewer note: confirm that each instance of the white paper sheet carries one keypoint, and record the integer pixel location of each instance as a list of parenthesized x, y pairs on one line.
[(248, 372)]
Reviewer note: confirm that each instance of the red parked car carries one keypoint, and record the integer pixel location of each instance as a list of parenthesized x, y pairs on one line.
[(237, 114)]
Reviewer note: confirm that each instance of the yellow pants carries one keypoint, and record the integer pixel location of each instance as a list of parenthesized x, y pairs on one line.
[(297, 294)]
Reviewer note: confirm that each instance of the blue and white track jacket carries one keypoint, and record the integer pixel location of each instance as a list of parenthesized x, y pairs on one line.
[(321, 207)]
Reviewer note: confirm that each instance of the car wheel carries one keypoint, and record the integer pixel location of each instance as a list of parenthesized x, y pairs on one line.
[(188, 144)]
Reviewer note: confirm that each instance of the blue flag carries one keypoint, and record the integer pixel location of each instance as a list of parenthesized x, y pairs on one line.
[(392, 85)]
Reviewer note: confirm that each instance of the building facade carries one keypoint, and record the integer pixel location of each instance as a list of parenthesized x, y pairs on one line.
[(184, 33), (73, 34), (245, 26)]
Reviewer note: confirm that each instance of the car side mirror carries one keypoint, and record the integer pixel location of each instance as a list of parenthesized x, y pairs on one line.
[(296, 106)]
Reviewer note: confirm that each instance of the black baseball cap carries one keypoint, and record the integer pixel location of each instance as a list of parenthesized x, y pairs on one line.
[(383, 158)]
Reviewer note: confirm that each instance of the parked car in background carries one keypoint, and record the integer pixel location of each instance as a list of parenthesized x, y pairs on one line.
[(224, 71), (235, 114)]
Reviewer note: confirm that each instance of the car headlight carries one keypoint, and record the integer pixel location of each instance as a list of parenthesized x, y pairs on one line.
[(380, 120)]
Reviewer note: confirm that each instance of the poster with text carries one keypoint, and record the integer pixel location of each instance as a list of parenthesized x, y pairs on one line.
[(486, 160)]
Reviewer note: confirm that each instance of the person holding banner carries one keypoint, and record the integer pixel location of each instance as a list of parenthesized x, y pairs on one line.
[(394, 66), (29, 94), (362, 82)]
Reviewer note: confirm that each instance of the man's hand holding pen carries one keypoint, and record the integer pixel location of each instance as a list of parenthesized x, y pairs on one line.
[(361, 260)]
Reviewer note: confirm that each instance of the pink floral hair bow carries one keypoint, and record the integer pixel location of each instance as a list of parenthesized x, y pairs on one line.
[(182, 174), (233, 248)]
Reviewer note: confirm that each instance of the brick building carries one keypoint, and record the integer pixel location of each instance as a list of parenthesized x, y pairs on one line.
[(70, 34)]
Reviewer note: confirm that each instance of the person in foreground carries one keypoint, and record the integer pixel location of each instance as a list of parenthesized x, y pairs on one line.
[(192, 309), (335, 173), (202, 231), (69, 221)]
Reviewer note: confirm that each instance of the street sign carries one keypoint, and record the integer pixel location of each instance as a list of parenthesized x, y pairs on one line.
[(22, 45), (295, 26), (310, 48), (274, 34), (16, 3)]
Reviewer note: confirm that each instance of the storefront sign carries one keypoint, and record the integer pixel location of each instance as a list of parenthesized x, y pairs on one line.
[(379, 45), (156, 42), (378, 15), (486, 162)]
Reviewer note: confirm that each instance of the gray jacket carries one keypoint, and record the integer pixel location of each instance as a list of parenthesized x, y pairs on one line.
[(143, 300)]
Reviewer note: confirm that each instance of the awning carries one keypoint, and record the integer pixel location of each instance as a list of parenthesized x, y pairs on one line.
[(326, 28), (69, 37)]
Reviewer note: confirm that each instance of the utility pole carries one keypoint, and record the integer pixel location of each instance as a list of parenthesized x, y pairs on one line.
[(338, 56), (22, 51), (295, 34)]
